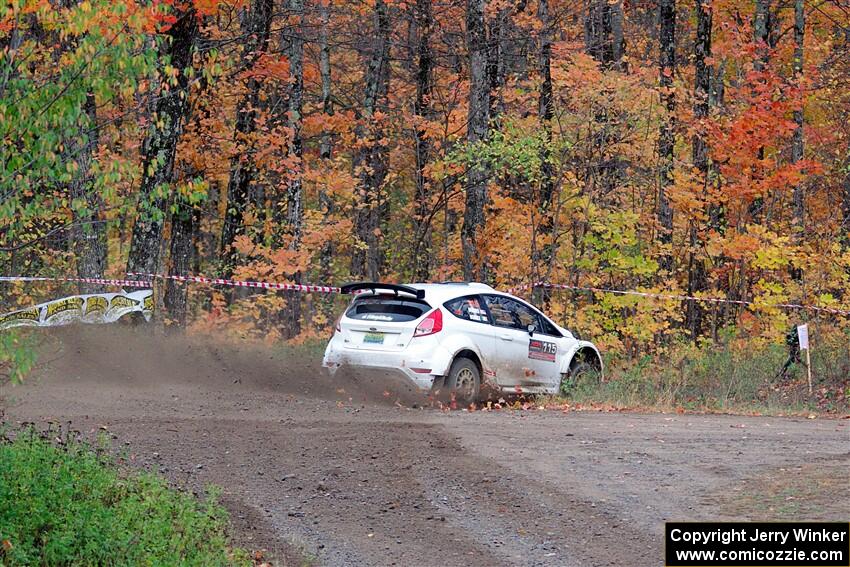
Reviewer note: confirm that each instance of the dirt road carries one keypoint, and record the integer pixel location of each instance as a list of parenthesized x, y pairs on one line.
[(324, 470)]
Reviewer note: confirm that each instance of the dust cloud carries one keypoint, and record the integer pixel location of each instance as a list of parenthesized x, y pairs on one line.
[(143, 357)]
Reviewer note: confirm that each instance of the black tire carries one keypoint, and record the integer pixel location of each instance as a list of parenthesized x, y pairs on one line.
[(581, 374), (464, 382)]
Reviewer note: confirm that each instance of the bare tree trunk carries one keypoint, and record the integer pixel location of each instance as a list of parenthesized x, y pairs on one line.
[(256, 25), (546, 102), (595, 32), (424, 85), (762, 29), (295, 194), (184, 223), (89, 226), (326, 203), (10, 44), (618, 38), (702, 97), (666, 139), (87, 233), (370, 164), (708, 92), (763, 32), (497, 32), (477, 132), (545, 112), (605, 170), (159, 148), (797, 143), (603, 32), (845, 204), (325, 71)]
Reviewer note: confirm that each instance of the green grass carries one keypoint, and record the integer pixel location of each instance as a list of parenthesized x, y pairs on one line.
[(727, 377), (68, 503)]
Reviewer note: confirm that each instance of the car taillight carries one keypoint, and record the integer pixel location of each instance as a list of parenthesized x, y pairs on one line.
[(337, 324), (431, 324)]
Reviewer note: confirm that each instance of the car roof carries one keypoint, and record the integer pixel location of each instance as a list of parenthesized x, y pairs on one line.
[(439, 293), (442, 292)]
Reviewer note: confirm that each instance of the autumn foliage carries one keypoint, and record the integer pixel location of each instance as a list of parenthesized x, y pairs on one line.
[(321, 141)]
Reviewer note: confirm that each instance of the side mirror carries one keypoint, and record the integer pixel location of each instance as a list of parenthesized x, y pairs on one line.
[(531, 328)]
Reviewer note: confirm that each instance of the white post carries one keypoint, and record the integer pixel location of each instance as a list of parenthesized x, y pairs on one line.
[(803, 336), (809, 368)]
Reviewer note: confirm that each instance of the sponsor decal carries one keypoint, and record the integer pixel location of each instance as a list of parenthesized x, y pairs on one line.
[(120, 301), (30, 314), (99, 308), (377, 317), (476, 314), (96, 304), (542, 350), (63, 305)]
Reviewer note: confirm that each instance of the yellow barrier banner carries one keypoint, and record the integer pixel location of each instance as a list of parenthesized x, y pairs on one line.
[(96, 309)]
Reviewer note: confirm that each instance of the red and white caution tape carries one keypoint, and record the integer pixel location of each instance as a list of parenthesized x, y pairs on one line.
[(146, 279), (675, 297), (99, 281), (235, 283)]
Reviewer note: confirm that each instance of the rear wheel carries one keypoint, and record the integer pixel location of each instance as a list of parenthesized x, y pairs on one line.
[(464, 381)]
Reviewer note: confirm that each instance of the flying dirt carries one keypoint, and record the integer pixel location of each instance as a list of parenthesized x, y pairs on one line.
[(341, 471)]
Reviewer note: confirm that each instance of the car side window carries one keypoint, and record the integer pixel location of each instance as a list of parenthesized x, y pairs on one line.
[(549, 328), (468, 308), (512, 314)]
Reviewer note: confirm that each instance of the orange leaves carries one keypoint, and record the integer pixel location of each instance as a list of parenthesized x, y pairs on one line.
[(274, 263), (244, 245), (741, 246), (688, 194), (340, 124), (285, 261), (268, 67), (211, 7), (336, 182), (321, 230), (601, 153)]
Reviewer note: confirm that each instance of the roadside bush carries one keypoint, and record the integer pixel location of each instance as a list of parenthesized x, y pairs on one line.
[(17, 354), (67, 503), (734, 374)]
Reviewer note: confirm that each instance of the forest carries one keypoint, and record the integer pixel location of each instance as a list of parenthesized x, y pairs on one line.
[(694, 148)]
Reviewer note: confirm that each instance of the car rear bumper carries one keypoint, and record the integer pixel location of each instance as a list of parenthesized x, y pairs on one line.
[(418, 364)]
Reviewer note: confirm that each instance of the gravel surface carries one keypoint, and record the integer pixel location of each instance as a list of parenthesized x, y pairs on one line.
[(336, 471)]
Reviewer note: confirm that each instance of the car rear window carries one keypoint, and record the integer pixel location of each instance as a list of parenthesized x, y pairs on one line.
[(387, 309)]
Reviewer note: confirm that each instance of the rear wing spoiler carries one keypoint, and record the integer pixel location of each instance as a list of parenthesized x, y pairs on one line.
[(372, 286)]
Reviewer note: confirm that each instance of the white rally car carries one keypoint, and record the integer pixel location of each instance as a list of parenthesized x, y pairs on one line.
[(458, 337)]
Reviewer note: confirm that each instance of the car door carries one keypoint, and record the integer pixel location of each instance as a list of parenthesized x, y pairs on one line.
[(471, 320), (521, 358), (548, 332)]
